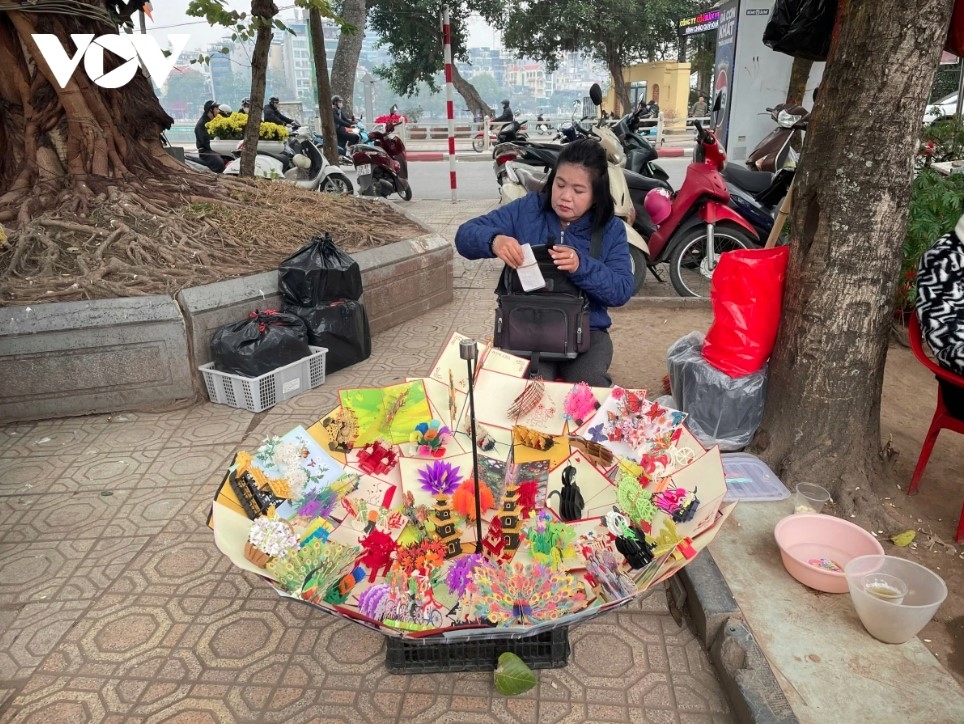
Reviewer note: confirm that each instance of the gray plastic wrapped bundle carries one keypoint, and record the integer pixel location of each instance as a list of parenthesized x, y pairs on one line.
[(721, 410)]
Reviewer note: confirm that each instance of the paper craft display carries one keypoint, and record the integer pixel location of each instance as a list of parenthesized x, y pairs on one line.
[(450, 368), (630, 425), (386, 413), (504, 401), (371, 512)]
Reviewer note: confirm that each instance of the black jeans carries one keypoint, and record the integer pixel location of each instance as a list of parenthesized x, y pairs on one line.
[(591, 367), (212, 160), (347, 139)]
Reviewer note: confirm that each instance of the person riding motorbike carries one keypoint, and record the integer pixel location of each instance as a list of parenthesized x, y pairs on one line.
[(203, 138), (343, 122), (273, 115), (507, 116)]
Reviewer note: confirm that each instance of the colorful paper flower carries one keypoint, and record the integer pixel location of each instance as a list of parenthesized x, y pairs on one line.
[(272, 536), (521, 593), (439, 478)]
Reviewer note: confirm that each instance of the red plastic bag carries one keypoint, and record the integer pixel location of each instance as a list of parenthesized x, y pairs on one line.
[(747, 297)]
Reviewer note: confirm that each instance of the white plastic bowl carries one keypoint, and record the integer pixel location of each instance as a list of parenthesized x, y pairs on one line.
[(895, 623)]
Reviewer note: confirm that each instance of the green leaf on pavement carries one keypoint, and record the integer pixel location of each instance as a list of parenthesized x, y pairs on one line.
[(513, 677), (902, 540)]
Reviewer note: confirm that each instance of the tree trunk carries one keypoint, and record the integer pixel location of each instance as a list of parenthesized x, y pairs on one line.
[(66, 146), (320, 57), (468, 92), (263, 11), (822, 416), (347, 53), (799, 75), (620, 86)]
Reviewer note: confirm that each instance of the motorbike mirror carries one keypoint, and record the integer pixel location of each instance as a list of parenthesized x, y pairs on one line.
[(595, 92)]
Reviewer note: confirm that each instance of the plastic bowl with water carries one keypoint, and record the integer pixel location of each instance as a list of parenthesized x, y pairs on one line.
[(886, 620), (811, 537)]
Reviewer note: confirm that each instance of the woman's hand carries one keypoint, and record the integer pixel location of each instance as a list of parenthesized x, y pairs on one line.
[(564, 257), (508, 250)]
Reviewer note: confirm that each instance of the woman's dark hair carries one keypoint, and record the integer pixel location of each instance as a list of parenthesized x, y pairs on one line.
[(589, 154)]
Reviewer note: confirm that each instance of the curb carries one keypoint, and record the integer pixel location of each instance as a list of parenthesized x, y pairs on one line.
[(748, 681)]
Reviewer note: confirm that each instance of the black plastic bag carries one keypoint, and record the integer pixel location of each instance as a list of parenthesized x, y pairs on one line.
[(801, 28), (341, 327), (259, 344), (319, 272)]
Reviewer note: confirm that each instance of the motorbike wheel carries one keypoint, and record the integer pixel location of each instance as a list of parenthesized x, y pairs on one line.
[(338, 184), (478, 144), (688, 269), (638, 263), (406, 193)]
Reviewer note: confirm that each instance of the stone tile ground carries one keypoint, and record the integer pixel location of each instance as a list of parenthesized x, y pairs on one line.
[(115, 605)]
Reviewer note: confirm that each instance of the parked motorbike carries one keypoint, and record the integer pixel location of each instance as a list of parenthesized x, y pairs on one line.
[(757, 192), (697, 225), (511, 131), (301, 163), (381, 166)]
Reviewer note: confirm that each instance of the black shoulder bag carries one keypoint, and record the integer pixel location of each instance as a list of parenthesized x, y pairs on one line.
[(551, 323)]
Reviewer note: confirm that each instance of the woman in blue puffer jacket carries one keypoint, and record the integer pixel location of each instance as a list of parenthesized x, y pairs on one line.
[(577, 201)]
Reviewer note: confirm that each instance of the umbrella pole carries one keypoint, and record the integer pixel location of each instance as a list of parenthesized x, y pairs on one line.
[(468, 352)]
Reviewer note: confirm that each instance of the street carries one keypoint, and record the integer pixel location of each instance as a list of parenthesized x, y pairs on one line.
[(476, 179)]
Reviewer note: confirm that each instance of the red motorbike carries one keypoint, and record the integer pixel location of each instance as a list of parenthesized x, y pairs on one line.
[(381, 166), (697, 225)]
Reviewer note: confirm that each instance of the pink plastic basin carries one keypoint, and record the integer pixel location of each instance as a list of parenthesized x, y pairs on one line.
[(805, 537)]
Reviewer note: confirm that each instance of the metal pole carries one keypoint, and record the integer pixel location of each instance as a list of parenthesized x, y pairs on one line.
[(449, 106), (960, 106), (468, 352)]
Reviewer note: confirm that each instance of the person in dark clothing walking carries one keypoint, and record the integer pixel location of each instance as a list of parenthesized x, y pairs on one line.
[(507, 115), (273, 115), (203, 139), (342, 123)]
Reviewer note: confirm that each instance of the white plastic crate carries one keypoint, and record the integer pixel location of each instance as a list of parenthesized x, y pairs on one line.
[(259, 393)]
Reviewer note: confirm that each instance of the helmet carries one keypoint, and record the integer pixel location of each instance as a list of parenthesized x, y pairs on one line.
[(505, 102), (245, 101), (208, 105), (225, 109), (272, 100), (335, 99), (301, 161), (658, 205)]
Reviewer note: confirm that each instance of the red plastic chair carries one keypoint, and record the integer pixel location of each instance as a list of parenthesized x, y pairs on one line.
[(942, 416)]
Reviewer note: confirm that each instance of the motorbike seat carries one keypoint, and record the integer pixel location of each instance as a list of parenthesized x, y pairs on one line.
[(285, 160), (530, 180), (751, 181)]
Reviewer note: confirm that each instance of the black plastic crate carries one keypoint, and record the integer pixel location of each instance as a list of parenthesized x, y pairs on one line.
[(547, 650)]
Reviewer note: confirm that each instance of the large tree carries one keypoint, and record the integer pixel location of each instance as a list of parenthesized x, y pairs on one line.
[(412, 31), (348, 51), (822, 417), (615, 32)]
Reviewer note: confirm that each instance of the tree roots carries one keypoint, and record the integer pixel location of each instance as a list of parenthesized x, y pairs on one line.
[(159, 236)]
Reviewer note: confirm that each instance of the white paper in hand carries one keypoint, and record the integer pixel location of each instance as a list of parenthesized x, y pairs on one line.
[(530, 276)]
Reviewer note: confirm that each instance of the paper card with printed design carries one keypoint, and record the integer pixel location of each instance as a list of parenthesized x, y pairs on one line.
[(446, 401), (629, 424), (578, 490), (387, 413), (495, 360), (504, 401), (428, 478), (450, 367), (494, 442), (706, 479)]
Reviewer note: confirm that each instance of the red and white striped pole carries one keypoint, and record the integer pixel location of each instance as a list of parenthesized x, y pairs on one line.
[(449, 107)]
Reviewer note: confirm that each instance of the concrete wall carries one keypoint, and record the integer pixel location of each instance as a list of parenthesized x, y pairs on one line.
[(78, 358), (673, 80)]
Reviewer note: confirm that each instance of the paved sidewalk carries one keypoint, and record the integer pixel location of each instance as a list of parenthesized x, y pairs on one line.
[(116, 606)]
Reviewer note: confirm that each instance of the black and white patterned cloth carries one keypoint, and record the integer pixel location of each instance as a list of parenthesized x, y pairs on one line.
[(940, 298)]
